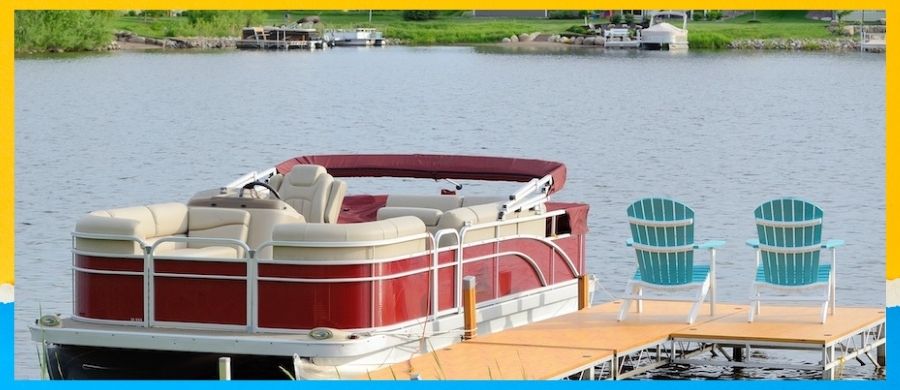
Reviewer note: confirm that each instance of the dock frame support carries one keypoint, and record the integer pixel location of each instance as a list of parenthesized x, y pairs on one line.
[(834, 355)]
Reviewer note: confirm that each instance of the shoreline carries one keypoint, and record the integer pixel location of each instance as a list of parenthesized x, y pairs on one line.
[(127, 41)]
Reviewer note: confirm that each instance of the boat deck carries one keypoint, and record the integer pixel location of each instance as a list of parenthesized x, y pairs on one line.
[(591, 344)]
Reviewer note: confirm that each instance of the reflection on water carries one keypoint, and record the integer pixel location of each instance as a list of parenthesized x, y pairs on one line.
[(721, 131)]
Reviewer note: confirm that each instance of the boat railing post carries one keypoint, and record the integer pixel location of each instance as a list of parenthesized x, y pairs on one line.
[(469, 321), (251, 291), (434, 277), (149, 288), (225, 368)]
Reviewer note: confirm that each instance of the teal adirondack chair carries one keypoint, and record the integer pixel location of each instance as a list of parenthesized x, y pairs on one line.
[(787, 255), (662, 232)]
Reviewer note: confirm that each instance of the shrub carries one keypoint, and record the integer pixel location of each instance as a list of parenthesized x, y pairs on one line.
[(419, 15), (629, 18), (697, 16), (154, 13), (714, 15), (577, 30), (562, 15), (62, 30), (616, 18)]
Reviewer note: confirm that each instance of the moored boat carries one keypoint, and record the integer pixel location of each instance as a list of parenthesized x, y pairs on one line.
[(296, 36), (358, 37), (284, 263)]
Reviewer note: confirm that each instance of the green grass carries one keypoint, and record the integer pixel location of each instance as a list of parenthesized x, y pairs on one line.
[(451, 27), (772, 25)]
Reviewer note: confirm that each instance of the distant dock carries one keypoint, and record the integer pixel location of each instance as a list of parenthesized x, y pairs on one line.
[(281, 38), (590, 344)]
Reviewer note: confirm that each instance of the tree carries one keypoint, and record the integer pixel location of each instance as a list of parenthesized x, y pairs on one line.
[(842, 14), (419, 15)]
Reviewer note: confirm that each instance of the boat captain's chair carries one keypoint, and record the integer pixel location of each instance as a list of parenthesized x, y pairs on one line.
[(312, 192)]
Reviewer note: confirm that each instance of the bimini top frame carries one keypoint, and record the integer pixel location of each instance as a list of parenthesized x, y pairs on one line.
[(542, 177)]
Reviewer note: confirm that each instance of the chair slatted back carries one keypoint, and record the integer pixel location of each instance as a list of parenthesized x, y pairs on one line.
[(663, 235), (790, 238)]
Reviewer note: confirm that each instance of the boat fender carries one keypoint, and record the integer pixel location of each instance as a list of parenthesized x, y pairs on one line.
[(49, 321), (322, 333)]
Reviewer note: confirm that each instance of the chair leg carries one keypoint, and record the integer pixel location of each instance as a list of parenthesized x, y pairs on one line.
[(754, 304), (695, 308), (833, 295), (623, 311), (640, 302), (626, 302)]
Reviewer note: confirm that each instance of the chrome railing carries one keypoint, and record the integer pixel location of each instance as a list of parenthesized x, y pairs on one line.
[(433, 250)]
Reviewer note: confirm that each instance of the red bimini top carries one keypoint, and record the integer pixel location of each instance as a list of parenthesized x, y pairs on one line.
[(434, 166)]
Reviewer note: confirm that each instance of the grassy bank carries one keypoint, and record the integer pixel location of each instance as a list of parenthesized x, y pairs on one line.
[(88, 30), (450, 27), (768, 25)]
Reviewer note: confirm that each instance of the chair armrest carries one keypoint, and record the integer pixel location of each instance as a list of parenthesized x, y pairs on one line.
[(830, 244), (711, 244), (753, 243), (629, 242)]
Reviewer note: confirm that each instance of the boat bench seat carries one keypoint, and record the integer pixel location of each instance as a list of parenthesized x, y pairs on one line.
[(429, 208), (157, 221), (438, 202), (487, 213), (365, 241), (429, 217)]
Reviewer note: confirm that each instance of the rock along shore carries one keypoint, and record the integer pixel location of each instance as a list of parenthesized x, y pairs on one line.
[(839, 44), (126, 40)]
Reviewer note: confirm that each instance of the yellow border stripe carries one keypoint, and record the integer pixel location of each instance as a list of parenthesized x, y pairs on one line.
[(7, 154)]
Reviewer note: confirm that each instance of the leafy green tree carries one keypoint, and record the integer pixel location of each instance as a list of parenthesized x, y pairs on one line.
[(62, 30)]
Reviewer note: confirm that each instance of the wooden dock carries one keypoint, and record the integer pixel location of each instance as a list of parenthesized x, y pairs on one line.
[(591, 344)]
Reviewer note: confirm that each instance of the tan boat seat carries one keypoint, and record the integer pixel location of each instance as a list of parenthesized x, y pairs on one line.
[(439, 202), (356, 232), (159, 221), (429, 217), (312, 192), (215, 222), (487, 213)]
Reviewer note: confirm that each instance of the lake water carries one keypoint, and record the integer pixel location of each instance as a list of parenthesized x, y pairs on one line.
[(721, 131)]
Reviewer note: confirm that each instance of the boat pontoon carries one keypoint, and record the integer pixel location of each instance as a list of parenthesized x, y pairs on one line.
[(282, 267)]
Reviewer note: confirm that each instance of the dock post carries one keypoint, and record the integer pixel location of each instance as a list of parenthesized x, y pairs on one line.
[(298, 367), (827, 363), (469, 325), (737, 354), (880, 354), (225, 368), (584, 299)]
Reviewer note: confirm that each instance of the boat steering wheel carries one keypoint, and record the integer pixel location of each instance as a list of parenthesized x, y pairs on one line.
[(252, 185)]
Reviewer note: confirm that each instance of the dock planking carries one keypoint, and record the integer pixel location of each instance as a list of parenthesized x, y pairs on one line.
[(469, 360), (787, 324), (566, 345)]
